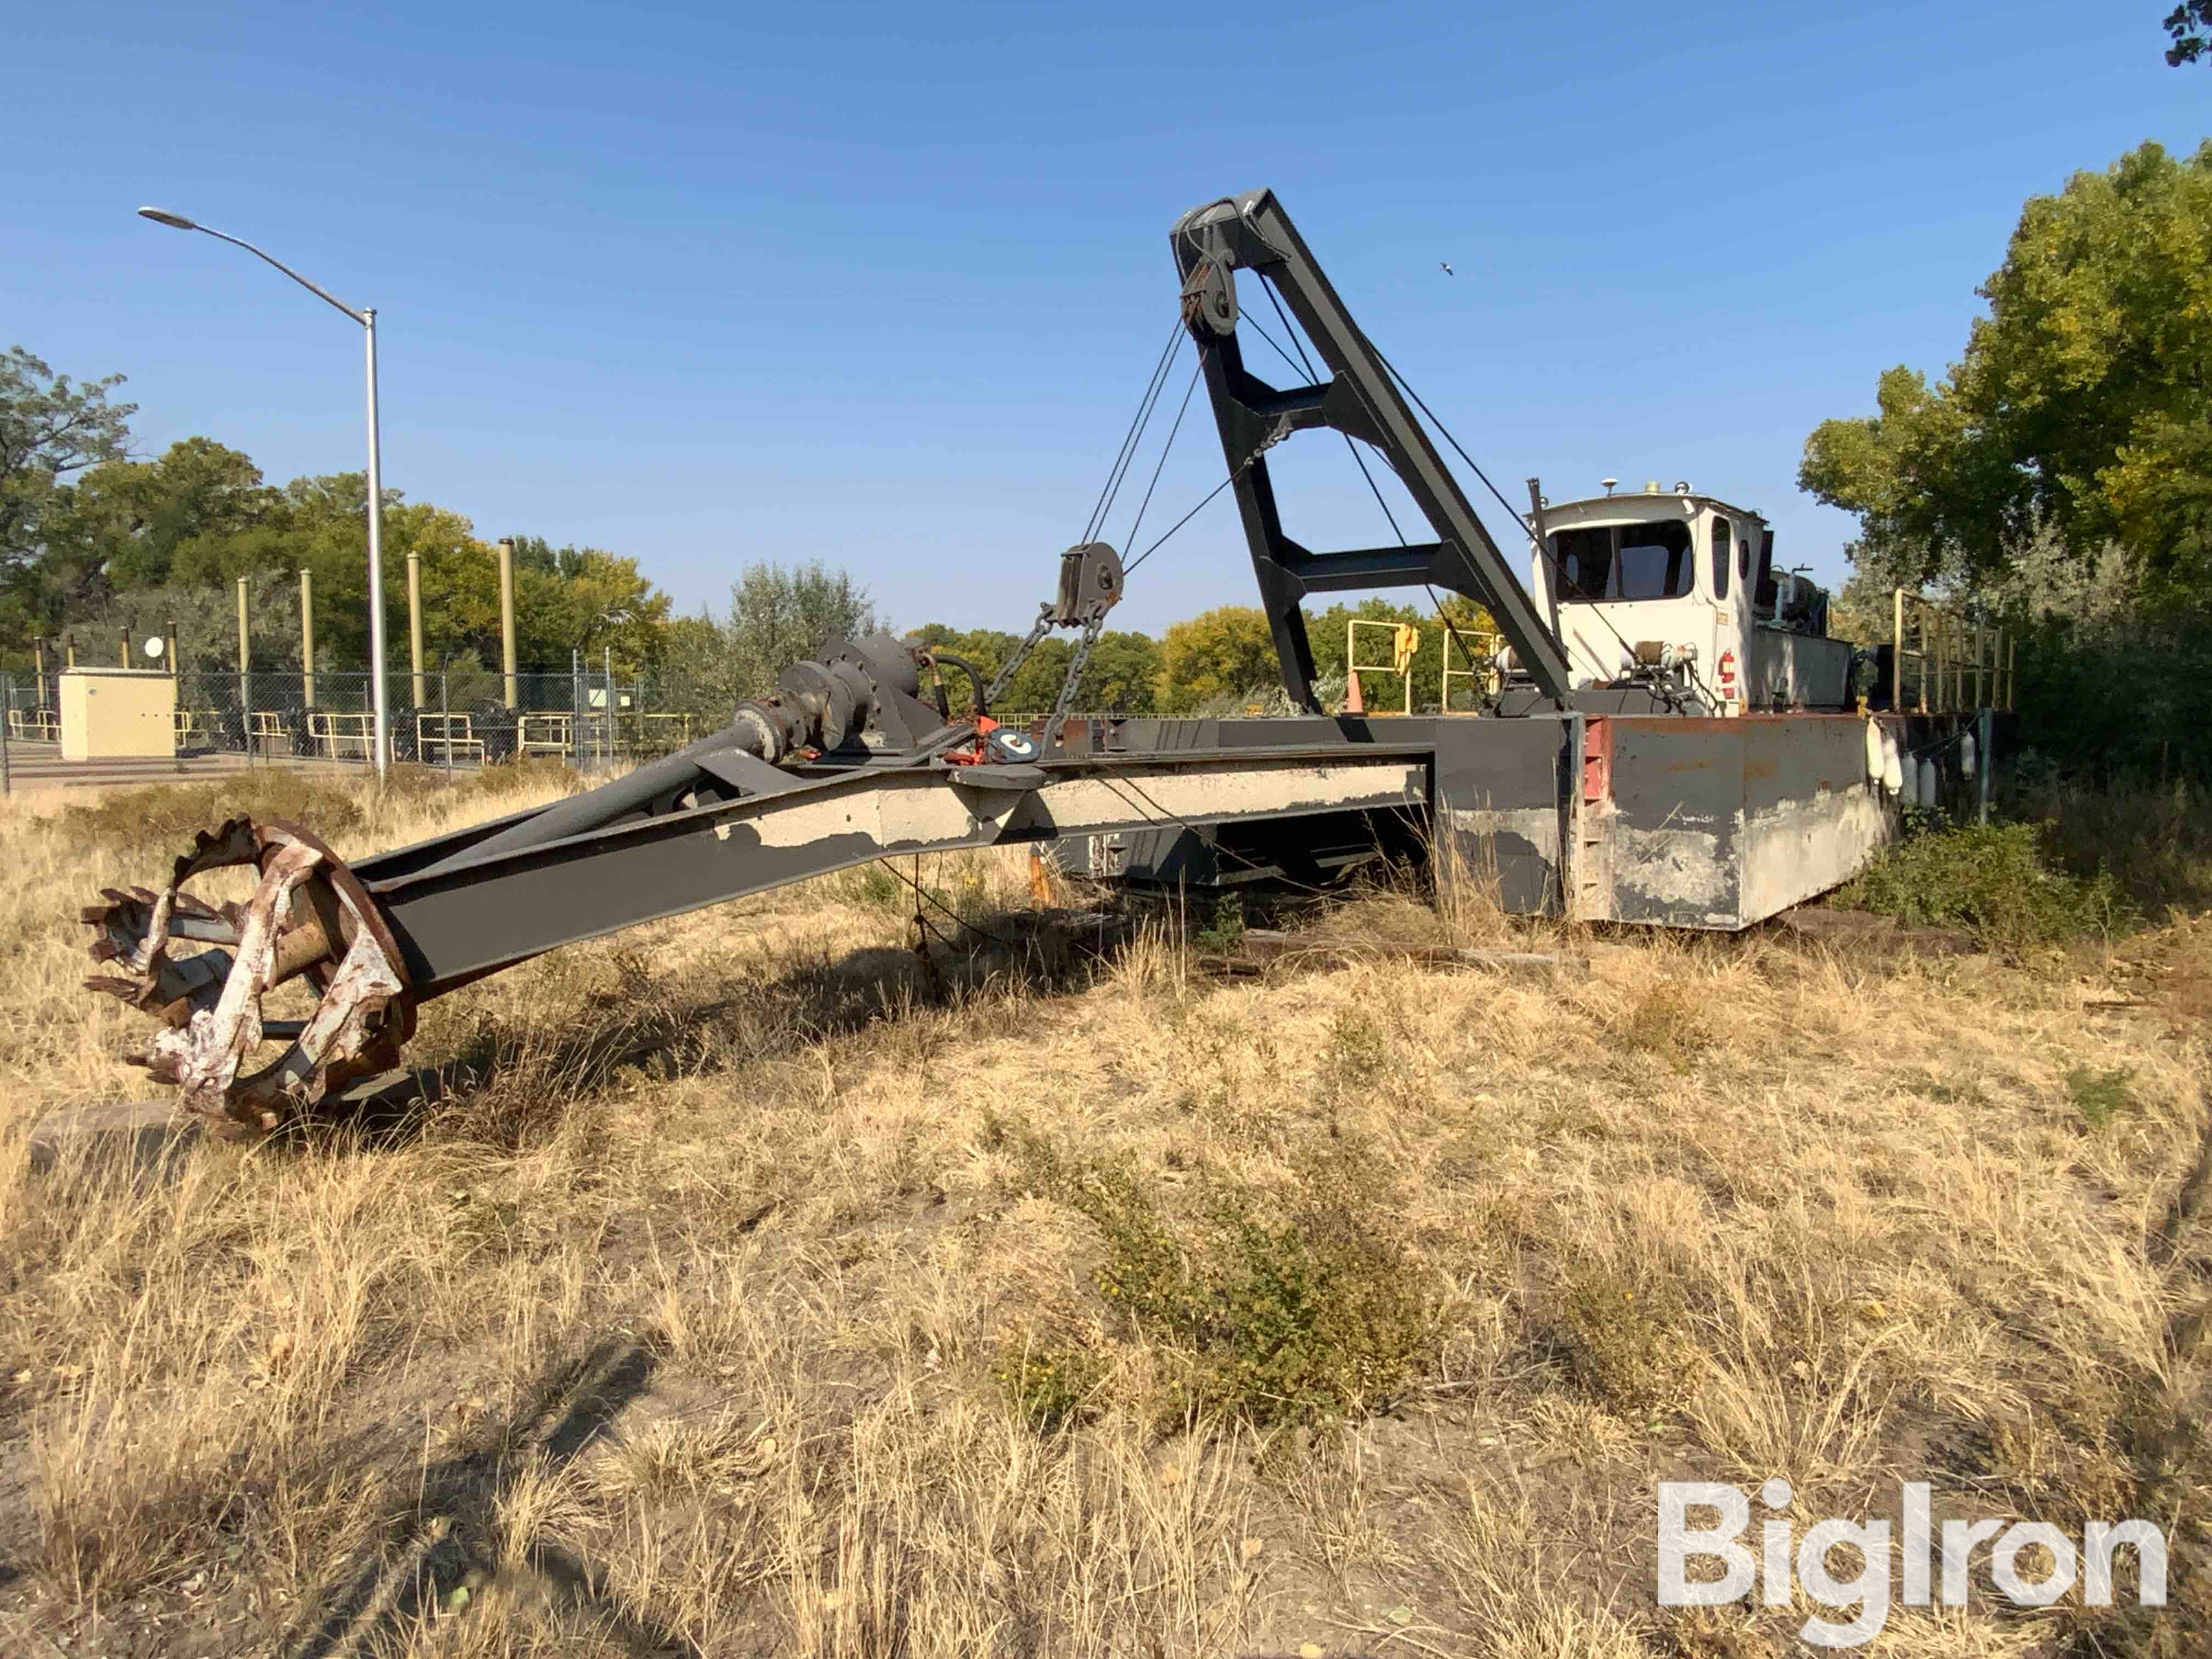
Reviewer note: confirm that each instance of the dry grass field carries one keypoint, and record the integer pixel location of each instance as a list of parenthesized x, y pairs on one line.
[(760, 1291)]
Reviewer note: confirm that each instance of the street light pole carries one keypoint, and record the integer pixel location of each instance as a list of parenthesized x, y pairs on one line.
[(376, 557), (367, 318)]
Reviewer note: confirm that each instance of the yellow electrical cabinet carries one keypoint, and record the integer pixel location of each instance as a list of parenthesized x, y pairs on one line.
[(108, 713)]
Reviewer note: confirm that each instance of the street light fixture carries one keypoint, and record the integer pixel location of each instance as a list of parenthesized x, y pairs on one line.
[(367, 318)]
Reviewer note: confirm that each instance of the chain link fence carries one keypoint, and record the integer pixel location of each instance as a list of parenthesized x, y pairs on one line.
[(455, 716)]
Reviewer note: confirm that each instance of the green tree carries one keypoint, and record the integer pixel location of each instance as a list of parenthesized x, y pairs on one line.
[(777, 617), (1224, 652), (52, 429), (1123, 676), (204, 620), (592, 601), (135, 518), (2190, 23), (2081, 404), (1119, 679)]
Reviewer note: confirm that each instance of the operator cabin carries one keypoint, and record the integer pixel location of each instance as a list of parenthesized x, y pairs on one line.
[(1677, 590)]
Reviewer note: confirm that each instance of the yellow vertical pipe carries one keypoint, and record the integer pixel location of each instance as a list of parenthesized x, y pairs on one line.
[(414, 624), (307, 637), (509, 693)]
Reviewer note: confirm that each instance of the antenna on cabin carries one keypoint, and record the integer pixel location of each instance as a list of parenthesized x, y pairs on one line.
[(1608, 483)]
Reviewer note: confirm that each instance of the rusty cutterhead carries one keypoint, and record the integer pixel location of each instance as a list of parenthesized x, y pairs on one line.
[(309, 917)]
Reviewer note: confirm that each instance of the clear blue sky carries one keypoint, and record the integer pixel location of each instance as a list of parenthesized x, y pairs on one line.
[(880, 285)]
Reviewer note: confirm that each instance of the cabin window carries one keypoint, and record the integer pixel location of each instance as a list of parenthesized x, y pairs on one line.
[(1743, 558), (1625, 561), (1723, 533)]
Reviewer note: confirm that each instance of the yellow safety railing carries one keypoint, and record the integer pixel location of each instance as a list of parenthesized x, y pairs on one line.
[(1940, 663), (269, 728), (1482, 674), (544, 734), (1405, 649), (34, 725), (342, 736), (447, 737)]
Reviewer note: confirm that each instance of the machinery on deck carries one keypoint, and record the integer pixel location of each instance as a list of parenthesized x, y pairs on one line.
[(1623, 771)]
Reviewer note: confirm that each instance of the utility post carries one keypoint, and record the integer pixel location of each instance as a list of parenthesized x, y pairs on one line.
[(123, 661), (510, 692), (245, 675), (576, 707), (307, 637), (414, 627), (39, 657)]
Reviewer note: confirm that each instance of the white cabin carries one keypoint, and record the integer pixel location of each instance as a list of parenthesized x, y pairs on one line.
[(1679, 588)]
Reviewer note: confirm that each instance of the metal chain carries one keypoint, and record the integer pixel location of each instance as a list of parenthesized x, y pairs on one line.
[(1055, 726), (1014, 664)]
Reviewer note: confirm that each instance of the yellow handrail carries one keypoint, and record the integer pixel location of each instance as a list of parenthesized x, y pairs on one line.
[(1958, 665)]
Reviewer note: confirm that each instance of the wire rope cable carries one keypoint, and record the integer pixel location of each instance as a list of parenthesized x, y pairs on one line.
[(1134, 435), (1130, 540), (1305, 364)]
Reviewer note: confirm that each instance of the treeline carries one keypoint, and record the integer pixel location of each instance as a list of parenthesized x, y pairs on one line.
[(2058, 478), (1222, 660), (94, 543)]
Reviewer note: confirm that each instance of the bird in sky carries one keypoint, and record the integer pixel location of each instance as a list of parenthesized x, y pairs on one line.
[(1448, 271)]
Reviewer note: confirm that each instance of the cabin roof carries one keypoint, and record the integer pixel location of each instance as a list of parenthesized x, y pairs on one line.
[(1629, 506)]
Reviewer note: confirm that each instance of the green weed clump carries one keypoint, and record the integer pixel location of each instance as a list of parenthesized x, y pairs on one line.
[(1359, 1054), (1275, 1307), (2099, 1096), (1993, 881), (1226, 930), (1049, 1386), (871, 887), (1626, 1346)]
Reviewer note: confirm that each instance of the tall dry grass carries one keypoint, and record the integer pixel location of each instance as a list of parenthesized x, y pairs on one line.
[(715, 1312)]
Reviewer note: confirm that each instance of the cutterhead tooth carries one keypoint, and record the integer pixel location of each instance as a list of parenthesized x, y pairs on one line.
[(127, 989), (106, 950)]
